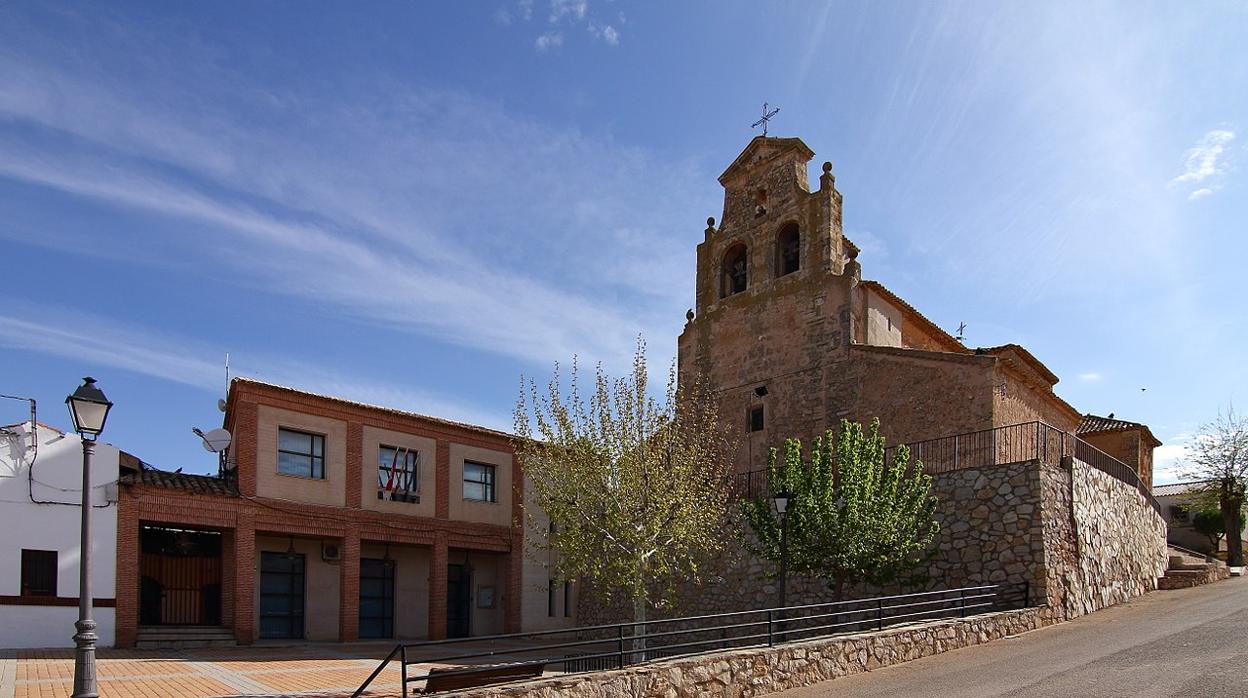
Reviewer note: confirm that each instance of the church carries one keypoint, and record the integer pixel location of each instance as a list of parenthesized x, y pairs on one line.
[(794, 339)]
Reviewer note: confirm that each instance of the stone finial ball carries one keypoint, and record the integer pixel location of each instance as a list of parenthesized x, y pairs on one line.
[(827, 167), (710, 222)]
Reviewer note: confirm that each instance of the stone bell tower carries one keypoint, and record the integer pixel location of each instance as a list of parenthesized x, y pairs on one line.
[(773, 311)]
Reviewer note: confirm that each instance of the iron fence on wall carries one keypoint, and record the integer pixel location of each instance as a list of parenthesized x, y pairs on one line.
[(615, 646), (989, 447)]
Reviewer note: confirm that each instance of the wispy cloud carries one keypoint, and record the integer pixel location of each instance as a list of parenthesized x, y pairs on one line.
[(1168, 459), (353, 196), (198, 364), (1206, 163), (549, 40), (1090, 377), (561, 14)]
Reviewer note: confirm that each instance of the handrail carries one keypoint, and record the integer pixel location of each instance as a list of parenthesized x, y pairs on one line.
[(626, 642), (1035, 440), (377, 671)]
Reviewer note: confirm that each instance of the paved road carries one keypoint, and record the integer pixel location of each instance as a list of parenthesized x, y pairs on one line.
[(1188, 642)]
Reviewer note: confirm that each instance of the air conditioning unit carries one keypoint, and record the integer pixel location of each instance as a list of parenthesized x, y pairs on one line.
[(331, 552)]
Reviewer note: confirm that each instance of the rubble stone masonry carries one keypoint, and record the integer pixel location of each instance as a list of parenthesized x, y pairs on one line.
[(1012, 525)]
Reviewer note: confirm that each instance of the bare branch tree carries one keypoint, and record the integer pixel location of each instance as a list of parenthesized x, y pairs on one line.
[(1218, 456)]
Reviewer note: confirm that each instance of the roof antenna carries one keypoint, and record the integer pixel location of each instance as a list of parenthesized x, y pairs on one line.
[(961, 331)]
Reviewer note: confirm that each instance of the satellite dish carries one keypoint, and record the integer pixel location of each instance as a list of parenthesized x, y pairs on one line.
[(215, 441), (221, 405)]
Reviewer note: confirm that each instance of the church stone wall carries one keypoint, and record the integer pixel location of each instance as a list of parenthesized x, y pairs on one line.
[(1015, 525), (990, 533)]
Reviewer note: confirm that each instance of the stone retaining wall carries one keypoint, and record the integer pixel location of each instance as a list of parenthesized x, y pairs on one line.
[(1010, 524), (990, 533), (1104, 544), (767, 670)]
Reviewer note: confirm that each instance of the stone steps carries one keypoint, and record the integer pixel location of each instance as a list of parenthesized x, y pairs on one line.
[(1185, 571), (169, 637)]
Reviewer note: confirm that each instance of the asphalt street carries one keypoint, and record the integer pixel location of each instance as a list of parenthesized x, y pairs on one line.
[(1187, 642)]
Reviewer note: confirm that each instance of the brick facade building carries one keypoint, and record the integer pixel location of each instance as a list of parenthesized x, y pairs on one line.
[(335, 521), (794, 339)]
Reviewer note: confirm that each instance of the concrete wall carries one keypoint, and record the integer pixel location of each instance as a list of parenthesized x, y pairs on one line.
[(54, 526), (321, 582), (497, 512), (373, 439), (535, 579), (269, 483)]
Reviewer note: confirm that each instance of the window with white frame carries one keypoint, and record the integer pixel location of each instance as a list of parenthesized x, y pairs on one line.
[(398, 474), (300, 453), (479, 479)]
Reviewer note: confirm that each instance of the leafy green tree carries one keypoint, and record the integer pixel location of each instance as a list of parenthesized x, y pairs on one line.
[(1208, 522), (1218, 456), (852, 515), (637, 489)]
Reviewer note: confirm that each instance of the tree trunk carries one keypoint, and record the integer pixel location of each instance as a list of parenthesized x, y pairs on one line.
[(1232, 503), (639, 629)]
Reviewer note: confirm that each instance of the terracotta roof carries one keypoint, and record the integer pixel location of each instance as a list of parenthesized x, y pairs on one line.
[(365, 405), (196, 484), (1025, 355), (1093, 424), (1175, 488), (913, 312)]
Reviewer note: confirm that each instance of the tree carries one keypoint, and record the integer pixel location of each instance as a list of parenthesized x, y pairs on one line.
[(1218, 455), (851, 515), (1207, 520), (637, 490)]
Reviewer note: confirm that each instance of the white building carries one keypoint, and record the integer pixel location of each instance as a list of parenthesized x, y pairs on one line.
[(40, 516)]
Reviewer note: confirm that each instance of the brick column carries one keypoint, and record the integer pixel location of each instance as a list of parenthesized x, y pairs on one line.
[(437, 587), (245, 574), (513, 590), (126, 584), (349, 583), (355, 464), (243, 450), (227, 578), (442, 490)]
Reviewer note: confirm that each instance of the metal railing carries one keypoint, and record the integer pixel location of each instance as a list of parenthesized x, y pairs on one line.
[(989, 447), (615, 646)]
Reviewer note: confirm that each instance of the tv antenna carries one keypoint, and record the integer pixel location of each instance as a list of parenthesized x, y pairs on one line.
[(961, 331)]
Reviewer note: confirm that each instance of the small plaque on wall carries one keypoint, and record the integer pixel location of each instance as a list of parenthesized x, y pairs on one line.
[(485, 597)]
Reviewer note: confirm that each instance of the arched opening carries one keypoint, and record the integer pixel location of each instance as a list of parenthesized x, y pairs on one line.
[(788, 250), (735, 274)]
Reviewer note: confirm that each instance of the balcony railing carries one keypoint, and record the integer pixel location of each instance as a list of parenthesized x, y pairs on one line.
[(989, 447)]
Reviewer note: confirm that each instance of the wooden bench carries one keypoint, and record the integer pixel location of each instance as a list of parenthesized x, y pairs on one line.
[(438, 680)]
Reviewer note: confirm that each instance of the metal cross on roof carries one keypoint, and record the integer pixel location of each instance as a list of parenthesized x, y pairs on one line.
[(766, 117)]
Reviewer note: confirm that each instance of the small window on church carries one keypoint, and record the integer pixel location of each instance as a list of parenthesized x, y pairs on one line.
[(788, 250), (756, 418), (735, 274)]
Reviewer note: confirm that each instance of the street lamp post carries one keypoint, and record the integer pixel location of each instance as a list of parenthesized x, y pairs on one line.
[(781, 500), (89, 409)]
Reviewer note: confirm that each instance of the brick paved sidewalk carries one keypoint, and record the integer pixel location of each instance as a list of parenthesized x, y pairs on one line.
[(314, 669)]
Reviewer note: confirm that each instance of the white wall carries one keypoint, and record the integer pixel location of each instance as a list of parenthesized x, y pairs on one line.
[(536, 572), (26, 524)]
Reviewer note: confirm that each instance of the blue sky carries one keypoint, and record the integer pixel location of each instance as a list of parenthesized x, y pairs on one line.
[(412, 204)]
